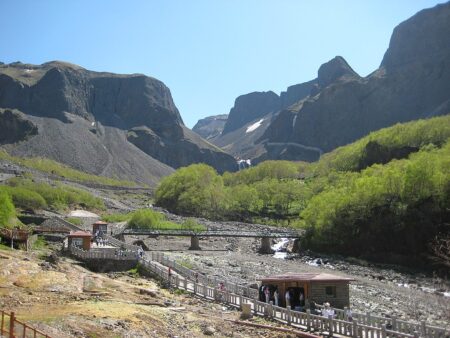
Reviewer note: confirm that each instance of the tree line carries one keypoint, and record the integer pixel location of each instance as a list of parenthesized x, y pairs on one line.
[(386, 193)]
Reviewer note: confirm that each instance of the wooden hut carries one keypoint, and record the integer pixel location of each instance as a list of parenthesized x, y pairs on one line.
[(81, 239), (100, 228), (317, 287)]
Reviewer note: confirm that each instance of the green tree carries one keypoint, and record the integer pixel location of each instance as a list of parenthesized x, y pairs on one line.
[(7, 210), (194, 190)]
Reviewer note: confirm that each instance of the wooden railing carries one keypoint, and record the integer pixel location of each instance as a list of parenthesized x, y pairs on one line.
[(113, 254), (11, 327), (117, 243), (204, 279), (362, 325), (216, 233)]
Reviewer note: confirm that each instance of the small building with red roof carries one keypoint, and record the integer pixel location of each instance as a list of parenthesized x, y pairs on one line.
[(100, 228), (315, 287), (80, 239)]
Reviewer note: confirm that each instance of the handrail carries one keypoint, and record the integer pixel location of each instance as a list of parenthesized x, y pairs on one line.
[(214, 233), (115, 242), (113, 254), (10, 329)]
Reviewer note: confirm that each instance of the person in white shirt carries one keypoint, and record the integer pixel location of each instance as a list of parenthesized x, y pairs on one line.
[(287, 296)]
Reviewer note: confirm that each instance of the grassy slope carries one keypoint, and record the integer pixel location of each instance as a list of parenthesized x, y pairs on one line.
[(55, 168), (415, 134)]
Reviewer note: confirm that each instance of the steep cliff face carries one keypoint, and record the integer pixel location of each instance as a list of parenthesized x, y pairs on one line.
[(95, 111), (14, 127), (339, 106), (181, 153), (249, 107), (210, 127)]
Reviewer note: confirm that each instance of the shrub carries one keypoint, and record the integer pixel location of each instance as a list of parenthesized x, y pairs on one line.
[(145, 219), (117, 217), (58, 197)]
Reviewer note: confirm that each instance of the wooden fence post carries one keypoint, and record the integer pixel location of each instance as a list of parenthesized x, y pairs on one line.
[(270, 309), (308, 320), (383, 331), (423, 328), (394, 323), (355, 329), (288, 315), (330, 326), (11, 324)]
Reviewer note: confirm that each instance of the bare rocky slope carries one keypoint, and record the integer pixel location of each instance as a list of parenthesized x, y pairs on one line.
[(211, 126), (339, 106), (124, 126)]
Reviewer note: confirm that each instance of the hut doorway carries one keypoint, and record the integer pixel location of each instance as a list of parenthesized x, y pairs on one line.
[(297, 296)]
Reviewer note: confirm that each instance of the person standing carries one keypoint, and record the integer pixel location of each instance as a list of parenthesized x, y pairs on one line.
[(301, 299), (267, 294), (287, 296), (169, 272), (275, 296)]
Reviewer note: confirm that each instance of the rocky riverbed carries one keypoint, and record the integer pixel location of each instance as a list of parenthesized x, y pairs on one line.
[(380, 290)]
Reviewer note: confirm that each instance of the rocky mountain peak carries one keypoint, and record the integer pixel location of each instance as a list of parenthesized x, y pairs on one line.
[(334, 70), (422, 38), (211, 126), (118, 125), (249, 107)]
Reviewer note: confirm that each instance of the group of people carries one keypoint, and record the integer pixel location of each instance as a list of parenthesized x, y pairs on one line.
[(292, 301), (99, 241), (269, 293)]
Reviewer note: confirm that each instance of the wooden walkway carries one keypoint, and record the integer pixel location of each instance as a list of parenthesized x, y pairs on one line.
[(362, 325)]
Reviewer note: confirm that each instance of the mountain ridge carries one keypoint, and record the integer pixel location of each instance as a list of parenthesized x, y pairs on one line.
[(339, 106), (84, 120)]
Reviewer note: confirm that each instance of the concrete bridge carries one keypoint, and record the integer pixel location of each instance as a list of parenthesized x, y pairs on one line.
[(195, 235)]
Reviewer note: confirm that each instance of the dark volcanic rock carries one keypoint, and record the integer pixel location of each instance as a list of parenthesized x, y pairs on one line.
[(250, 107), (413, 82), (296, 93), (211, 126), (253, 109), (423, 37), (14, 127), (333, 71), (89, 114), (181, 153)]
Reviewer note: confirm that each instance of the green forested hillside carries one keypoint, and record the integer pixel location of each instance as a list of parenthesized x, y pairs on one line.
[(386, 193)]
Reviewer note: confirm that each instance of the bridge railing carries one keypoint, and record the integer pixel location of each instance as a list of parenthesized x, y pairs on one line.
[(362, 325), (213, 233)]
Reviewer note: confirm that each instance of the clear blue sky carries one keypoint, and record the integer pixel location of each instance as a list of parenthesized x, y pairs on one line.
[(207, 52)]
